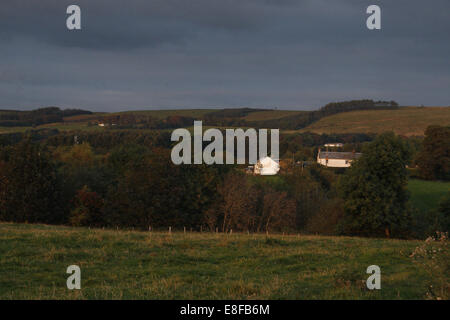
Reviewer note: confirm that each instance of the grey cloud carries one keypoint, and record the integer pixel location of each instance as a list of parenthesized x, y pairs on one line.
[(129, 24), (228, 53)]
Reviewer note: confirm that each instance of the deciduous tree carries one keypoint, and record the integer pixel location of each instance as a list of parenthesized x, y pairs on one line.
[(374, 190)]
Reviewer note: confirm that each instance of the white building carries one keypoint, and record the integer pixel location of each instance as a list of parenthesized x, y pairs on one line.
[(266, 167), (337, 159)]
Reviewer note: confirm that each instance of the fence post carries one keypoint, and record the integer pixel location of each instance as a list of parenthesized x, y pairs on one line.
[(184, 230), (170, 230)]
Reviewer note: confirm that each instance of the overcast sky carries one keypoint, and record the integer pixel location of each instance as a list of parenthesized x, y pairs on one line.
[(159, 54)]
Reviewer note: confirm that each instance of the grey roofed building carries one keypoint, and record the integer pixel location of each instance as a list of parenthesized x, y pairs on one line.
[(339, 155)]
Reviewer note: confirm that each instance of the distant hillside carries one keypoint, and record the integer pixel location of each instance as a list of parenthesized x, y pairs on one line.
[(356, 116), (13, 118), (406, 121), (301, 120), (162, 114)]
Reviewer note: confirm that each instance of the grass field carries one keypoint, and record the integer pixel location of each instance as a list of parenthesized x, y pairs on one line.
[(270, 115), (143, 265), (405, 121), (162, 114), (426, 195)]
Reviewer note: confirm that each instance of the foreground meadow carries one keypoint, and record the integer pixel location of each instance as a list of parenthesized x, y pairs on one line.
[(158, 265)]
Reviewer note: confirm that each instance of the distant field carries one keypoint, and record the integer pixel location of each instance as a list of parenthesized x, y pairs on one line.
[(162, 114), (426, 195), (270, 114), (13, 129), (84, 117), (405, 121), (143, 265)]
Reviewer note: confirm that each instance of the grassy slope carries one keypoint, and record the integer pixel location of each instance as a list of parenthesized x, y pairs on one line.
[(143, 265), (270, 114), (80, 122), (426, 195), (162, 114), (406, 121)]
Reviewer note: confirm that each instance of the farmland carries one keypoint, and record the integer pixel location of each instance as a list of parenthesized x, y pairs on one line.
[(407, 121), (426, 195), (119, 264)]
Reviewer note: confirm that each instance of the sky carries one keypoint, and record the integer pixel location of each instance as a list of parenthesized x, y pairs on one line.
[(168, 54)]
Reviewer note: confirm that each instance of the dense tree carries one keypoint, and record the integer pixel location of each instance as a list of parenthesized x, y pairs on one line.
[(434, 158), (374, 190), (146, 195), (327, 217), (125, 178), (246, 205), (237, 203), (87, 209), (154, 192), (307, 193), (278, 212), (30, 190)]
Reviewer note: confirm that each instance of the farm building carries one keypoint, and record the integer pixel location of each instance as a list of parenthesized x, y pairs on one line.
[(266, 167), (336, 159)]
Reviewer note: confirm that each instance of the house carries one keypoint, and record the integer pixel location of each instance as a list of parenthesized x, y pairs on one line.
[(266, 167), (336, 159), (334, 145)]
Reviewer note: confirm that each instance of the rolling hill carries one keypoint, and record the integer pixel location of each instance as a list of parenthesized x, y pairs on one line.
[(408, 121)]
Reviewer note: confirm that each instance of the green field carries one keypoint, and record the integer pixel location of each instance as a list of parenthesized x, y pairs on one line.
[(143, 265), (270, 115), (426, 195), (162, 114), (407, 121)]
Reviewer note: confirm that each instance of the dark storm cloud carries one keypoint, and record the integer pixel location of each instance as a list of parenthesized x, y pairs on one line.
[(228, 53), (128, 24)]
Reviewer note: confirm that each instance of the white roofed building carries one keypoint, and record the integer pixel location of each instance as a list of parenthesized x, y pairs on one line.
[(266, 167), (337, 159)]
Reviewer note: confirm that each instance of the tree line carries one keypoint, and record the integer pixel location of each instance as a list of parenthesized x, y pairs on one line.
[(12, 118), (125, 179)]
